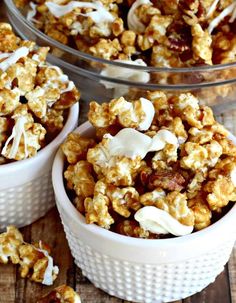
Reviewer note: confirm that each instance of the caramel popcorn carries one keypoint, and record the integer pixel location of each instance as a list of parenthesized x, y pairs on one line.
[(35, 263), (157, 167), (79, 178), (10, 241), (61, 294), (75, 147), (177, 33), (201, 211), (34, 97), (34, 260)]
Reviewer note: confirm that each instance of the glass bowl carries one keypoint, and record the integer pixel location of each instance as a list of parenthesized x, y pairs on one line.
[(103, 80)]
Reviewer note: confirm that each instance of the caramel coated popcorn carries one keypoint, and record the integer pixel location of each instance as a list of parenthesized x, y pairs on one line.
[(170, 174), (175, 33), (34, 97), (61, 294), (33, 260)]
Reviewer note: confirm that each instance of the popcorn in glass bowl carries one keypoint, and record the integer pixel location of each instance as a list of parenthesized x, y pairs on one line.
[(157, 177), (161, 34), (38, 107), (140, 45)]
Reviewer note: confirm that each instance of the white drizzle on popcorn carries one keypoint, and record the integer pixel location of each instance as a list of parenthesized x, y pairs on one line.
[(17, 132), (159, 221), (124, 73), (231, 9), (100, 15), (51, 270), (139, 144), (12, 58), (134, 23)]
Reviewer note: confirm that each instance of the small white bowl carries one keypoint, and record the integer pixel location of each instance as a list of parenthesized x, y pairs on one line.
[(26, 192), (143, 270)]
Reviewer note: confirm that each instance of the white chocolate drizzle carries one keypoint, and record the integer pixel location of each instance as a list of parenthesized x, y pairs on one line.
[(158, 221), (134, 23), (12, 58), (99, 15), (139, 143), (124, 73), (50, 270), (17, 132), (227, 11)]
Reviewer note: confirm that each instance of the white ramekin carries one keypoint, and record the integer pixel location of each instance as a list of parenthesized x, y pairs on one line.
[(26, 192), (142, 270)]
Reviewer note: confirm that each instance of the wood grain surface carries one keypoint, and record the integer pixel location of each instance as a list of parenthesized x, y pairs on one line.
[(13, 289)]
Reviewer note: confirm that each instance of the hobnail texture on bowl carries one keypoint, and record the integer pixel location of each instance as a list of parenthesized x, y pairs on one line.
[(141, 270), (26, 192)]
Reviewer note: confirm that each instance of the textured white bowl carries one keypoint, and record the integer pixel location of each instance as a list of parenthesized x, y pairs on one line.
[(26, 192), (143, 270)]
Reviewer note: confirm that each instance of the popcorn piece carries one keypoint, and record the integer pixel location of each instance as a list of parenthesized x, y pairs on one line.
[(201, 211), (36, 263), (97, 210), (99, 115), (220, 187), (220, 192), (163, 57), (61, 294), (200, 156), (79, 177), (75, 147), (195, 185), (24, 73), (9, 100), (4, 124), (131, 228), (10, 241), (228, 148), (201, 44), (34, 260), (133, 21), (187, 107), (8, 40), (118, 170), (136, 114), (106, 49), (27, 137), (156, 30), (174, 203), (124, 199), (53, 121)]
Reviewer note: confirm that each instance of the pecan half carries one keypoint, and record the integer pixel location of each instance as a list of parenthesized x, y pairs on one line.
[(168, 180)]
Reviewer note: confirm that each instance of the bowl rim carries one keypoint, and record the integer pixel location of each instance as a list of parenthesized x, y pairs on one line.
[(12, 7), (63, 200), (72, 114)]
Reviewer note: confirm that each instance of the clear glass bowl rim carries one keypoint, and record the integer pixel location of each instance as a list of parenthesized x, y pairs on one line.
[(11, 6)]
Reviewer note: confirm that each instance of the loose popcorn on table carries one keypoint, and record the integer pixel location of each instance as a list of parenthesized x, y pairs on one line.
[(34, 260), (61, 294), (156, 167), (34, 97)]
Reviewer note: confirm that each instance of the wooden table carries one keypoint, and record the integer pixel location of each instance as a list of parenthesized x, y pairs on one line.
[(13, 289)]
